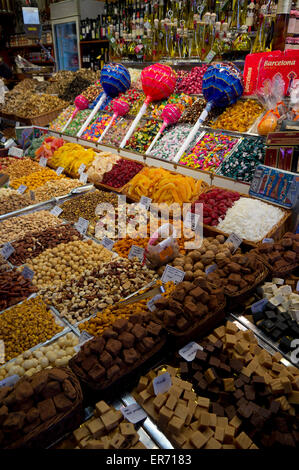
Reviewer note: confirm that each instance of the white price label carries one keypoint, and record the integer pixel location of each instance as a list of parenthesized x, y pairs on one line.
[(83, 178), (22, 188), (172, 274), (15, 152), (189, 351), (107, 243), (81, 168), (151, 303), (7, 250), (162, 383), (56, 211), (211, 268), (9, 381), (136, 252), (297, 287), (145, 202), (27, 273), (259, 306), (191, 220), (268, 240), (2, 352), (3, 139), (59, 170), (43, 162), (278, 280), (235, 240), (32, 195), (133, 413), (17, 124), (210, 57), (82, 225)]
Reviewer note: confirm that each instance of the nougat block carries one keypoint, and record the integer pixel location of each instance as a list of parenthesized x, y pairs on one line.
[(96, 428), (213, 444), (117, 441), (175, 425), (171, 402), (181, 411), (142, 384), (219, 433), (101, 408), (80, 433), (204, 420), (127, 429), (110, 419), (198, 440), (229, 433), (242, 441), (159, 401)]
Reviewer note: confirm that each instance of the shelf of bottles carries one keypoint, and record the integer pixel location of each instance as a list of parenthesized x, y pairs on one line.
[(150, 30)]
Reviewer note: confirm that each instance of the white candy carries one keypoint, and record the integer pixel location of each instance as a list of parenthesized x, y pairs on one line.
[(250, 219)]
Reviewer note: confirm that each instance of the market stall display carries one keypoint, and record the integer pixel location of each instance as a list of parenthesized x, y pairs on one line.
[(36, 179), (11, 200), (70, 157)]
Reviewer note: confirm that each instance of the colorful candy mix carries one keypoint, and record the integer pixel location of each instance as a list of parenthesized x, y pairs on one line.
[(239, 117), (209, 152), (74, 127), (60, 121), (94, 131), (172, 138), (143, 136)]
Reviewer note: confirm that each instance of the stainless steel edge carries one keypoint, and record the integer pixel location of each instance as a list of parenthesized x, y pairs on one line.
[(30, 208)]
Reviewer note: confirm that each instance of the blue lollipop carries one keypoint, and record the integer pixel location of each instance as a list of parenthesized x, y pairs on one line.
[(115, 79), (221, 86)]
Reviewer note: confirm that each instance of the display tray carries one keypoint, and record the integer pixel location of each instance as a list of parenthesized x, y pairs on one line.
[(49, 431), (121, 189), (41, 119), (277, 231), (205, 186), (107, 387)]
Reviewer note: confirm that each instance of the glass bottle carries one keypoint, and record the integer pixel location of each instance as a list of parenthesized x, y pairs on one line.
[(250, 15), (281, 24), (242, 41)]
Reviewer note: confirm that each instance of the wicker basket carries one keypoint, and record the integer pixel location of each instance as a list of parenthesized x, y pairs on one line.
[(205, 186), (56, 427), (121, 378), (277, 273), (41, 120), (238, 297), (199, 328), (276, 232)]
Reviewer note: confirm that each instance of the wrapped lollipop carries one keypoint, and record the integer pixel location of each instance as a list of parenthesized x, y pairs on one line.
[(120, 108), (115, 79), (81, 103), (158, 82), (170, 115), (221, 86)]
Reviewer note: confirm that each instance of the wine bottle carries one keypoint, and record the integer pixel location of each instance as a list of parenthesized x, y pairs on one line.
[(281, 24)]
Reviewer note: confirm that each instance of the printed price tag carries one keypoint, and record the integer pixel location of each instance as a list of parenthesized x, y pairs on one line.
[(210, 57), (211, 268), (259, 306), (172, 274), (82, 225), (15, 152), (162, 383), (22, 188), (59, 170), (56, 211), (151, 303), (7, 250), (133, 413), (2, 352), (235, 240), (278, 281), (188, 352), (81, 168), (43, 161), (27, 273), (32, 195), (268, 240), (136, 251), (191, 220), (145, 202), (83, 178), (107, 243), (17, 124), (297, 287), (9, 381), (3, 139)]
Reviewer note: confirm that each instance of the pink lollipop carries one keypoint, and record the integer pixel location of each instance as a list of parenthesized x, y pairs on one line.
[(170, 114), (120, 108), (81, 103), (158, 82)]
